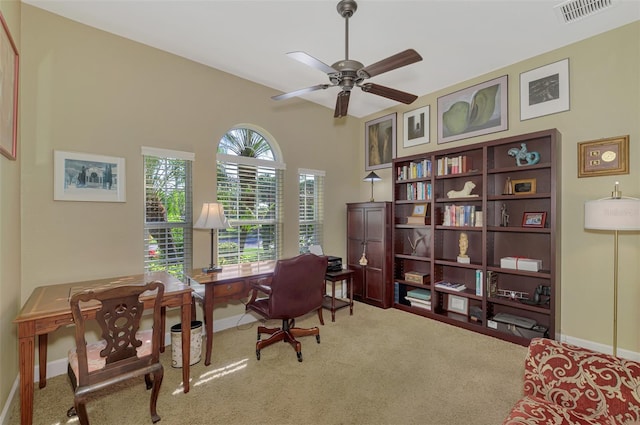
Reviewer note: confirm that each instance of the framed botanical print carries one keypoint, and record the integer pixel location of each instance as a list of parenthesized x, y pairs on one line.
[(380, 142)]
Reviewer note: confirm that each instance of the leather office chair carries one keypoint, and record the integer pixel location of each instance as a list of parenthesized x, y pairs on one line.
[(124, 352), (296, 288)]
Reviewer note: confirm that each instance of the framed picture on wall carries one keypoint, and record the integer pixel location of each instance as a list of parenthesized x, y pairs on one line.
[(87, 177), (8, 93), (474, 111), (544, 90), (416, 127), (604, 157), (380, 142)]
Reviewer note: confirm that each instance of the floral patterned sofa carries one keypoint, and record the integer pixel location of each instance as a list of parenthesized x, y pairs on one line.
[(566, 384)]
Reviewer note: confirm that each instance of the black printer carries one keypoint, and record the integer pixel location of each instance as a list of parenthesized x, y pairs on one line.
[(335, 264)]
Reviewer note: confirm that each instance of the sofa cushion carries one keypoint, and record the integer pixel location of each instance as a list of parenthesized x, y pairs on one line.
[(595, 386), (536, 411)]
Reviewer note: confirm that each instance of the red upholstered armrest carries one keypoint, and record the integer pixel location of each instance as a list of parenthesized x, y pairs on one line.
[(260, 285), (594, 385)]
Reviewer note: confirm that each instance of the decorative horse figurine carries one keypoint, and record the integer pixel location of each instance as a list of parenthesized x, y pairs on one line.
[(522, 155), (464, 192)]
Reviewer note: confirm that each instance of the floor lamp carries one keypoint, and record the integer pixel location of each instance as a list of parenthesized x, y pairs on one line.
[(616, 214), (212, 218), (373, 177)]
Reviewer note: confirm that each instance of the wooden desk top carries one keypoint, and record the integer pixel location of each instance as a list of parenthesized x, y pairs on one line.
[(52, 300), (234, 272)]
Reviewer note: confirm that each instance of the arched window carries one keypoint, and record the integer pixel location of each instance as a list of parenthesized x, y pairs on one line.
[(250, 179)]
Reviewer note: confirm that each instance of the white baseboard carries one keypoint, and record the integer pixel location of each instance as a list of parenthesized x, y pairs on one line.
[(601, 348)]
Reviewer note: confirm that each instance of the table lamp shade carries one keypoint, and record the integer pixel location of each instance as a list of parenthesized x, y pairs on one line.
[(212, 217), (372, 177), (612, 214)]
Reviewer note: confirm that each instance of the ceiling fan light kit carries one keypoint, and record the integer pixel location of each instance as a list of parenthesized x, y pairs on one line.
[(348, 73)]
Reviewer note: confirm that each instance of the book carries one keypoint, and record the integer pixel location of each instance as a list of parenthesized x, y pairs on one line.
[(419, 303), (458, 287), (419, 293)]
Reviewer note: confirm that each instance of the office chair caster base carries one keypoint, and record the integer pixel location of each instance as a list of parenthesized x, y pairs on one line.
[(318, 339), (258, 354), (299, 354), (71, 412)]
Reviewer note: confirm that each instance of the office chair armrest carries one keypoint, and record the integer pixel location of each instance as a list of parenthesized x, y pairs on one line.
[(260, 285)]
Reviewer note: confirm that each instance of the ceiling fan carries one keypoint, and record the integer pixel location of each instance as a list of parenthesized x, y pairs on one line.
[(348, 73)]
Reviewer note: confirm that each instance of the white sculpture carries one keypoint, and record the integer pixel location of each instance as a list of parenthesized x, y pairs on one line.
[(464, 193)]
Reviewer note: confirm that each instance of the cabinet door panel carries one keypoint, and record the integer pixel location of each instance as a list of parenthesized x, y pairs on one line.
[(374, 290)]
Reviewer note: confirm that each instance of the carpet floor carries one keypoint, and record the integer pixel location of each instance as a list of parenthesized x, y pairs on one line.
[(375, 367)]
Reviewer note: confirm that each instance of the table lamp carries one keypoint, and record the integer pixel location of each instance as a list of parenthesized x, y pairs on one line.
[(616, 213), (212, 217), (373, 177)]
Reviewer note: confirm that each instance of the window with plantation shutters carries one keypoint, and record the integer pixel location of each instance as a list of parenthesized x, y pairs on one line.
[(168, 218), (310, 208), (249, 186)]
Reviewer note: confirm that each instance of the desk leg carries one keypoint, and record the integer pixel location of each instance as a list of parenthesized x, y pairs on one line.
[(208, 321), (43, 340), (333, 300), (350, 289), (26, 359), (186, 341)]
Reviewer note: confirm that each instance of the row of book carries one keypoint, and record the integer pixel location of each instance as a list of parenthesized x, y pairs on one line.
[(454, 165), (451, 286), (462, 216), (415, 170), (420, 298), (418, 191)]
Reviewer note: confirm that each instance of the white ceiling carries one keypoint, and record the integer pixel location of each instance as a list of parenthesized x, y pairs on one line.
[(458, 40)]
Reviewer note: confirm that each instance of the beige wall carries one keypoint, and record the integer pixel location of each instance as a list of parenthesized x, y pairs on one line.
[(9, 241), (88, 91), (604, 74)]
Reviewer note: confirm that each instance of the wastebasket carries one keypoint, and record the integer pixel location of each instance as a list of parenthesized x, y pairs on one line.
[(176, 343)]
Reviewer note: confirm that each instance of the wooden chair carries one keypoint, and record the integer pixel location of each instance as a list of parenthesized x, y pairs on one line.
[(124, 352), (296, 288)]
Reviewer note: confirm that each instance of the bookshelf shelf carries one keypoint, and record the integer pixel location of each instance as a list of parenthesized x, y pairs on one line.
[(491, 169)]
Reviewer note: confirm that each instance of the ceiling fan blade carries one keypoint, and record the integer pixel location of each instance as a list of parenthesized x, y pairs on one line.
[(300, 91), (389, 93), (398, 60), (311, 61), (342, 104)]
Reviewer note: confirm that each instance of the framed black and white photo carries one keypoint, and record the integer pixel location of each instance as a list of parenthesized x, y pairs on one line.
[(380, 142), (544, 90), (474, 111), (416, 127), (457, 304), (87, 177)]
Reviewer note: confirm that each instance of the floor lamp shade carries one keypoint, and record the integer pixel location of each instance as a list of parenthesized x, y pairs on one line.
[(212, 217), (613, 214)]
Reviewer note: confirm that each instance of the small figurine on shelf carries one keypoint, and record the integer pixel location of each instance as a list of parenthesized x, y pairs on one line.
[(504, 217), (508, 187), (465, 192), (463, 243), (522, 154), (414, 244)]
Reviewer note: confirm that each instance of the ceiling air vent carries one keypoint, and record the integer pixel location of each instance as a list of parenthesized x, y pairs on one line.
[(574, 10)]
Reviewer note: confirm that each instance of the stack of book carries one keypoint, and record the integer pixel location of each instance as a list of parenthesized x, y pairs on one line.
[(420, 298), (458, 287)]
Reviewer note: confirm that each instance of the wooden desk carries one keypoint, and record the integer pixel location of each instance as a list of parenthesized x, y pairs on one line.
[(232, 283), (331, 302), (48, 308)]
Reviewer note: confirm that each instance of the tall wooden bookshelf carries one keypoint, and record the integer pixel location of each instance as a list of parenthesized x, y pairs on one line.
[(431, 245)]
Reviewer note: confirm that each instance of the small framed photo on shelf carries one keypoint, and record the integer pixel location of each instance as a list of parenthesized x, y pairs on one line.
[(604, 157), (524, 186), (416, 127), (457, 304), (419, 210), (534, 219)]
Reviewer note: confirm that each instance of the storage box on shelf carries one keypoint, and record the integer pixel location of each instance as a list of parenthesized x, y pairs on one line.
[(477, 197)]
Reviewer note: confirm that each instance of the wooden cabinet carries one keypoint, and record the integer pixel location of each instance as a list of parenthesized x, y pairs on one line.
[(502, 198), (369, 231)]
